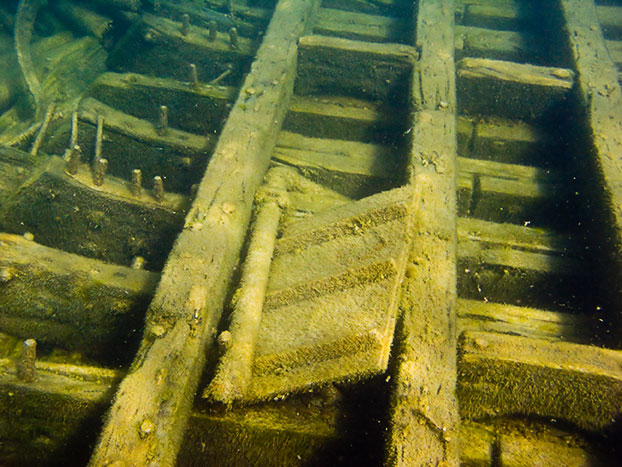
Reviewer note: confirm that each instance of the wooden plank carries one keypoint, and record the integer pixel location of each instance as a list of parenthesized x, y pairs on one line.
[(104, 222), (58, 405), (511, 141), (511, 375), (522, 278), (359, 26), (521, 47), (68, 300), (376, 7), (130, 143), (169, 52), (364, 70), (15, 167), (510, 90), (146, 423), (506, 17), (343, 118), (610, 19), (424, 420), (615, 51), (476, 315), (199, 110), (519, 237), (600, 92), (351, 168)]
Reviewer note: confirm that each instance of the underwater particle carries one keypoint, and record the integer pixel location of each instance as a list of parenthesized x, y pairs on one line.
[(212, 29), (234, 38), (158, 189), (26, 363), (137, 182), (194, 76), (100, 172), (161, 125), (185, 24)]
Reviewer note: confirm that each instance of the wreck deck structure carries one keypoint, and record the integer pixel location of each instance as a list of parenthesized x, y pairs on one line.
[(306, 232)]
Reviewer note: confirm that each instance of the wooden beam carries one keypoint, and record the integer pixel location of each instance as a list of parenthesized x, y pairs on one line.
[(146, 423), (600, 92), (424, 420), (501, 374), (510, 90), (70, 301)]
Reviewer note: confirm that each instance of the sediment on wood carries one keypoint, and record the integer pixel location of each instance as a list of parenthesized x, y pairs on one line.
[(424, 420), (151, 409)]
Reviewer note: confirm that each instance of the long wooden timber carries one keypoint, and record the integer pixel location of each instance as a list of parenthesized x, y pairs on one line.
[(187, 306), (601, 94), (531, 385), (424, 421)]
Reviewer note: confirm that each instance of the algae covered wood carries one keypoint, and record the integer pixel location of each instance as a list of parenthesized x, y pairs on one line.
[(511, 90), (67, 300), (333, 286), (601, 94), (151, 409), (105, 222), (508, 375), (423, 414), (371, 67), (57, 405)]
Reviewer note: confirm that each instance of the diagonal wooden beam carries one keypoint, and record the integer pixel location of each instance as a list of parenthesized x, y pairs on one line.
[(152, 407)]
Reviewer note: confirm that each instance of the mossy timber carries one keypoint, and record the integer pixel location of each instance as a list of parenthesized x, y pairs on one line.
[(358, 232)]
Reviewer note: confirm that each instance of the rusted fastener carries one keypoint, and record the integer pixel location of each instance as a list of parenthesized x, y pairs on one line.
[(161, 125), (100, 172), (99, 137), (74, 160), (194, 76), (185, 24), (137, 182), (212, 29), (234, 38), (26, 370), (158, 189)]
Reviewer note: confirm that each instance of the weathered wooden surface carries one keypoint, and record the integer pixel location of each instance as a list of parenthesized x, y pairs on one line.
[(68, 300), (424, 416), (57, 405), (105, 222), (200, 110), (339, 309), (360, 26), (146, 422), (165, 51), (601, 94), (511, 90), (499, 45), (504, 374), (355, 68)]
